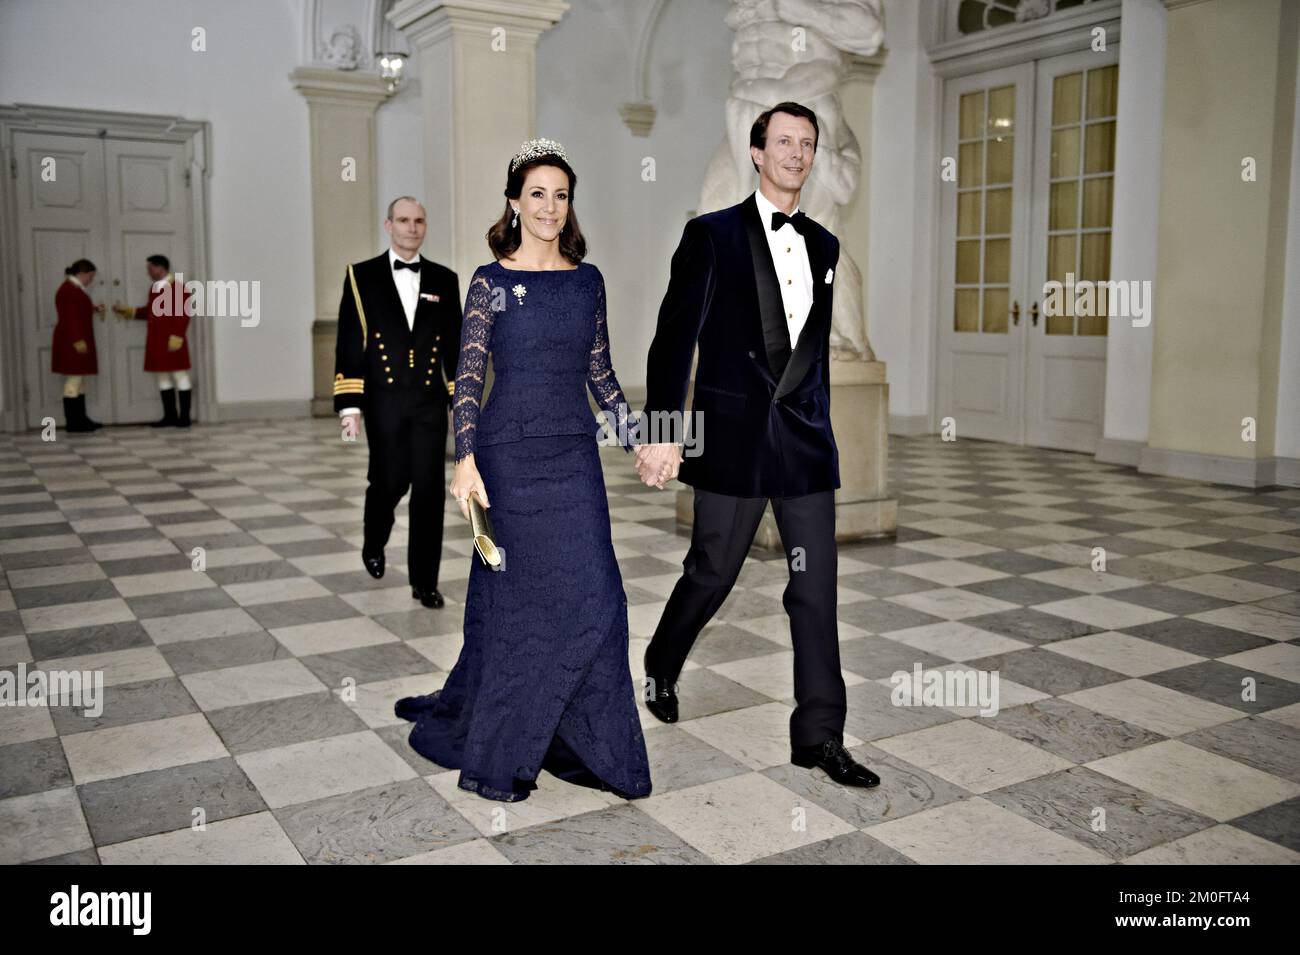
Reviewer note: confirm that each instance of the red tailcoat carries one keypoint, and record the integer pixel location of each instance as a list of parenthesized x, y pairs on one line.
[(76, 323), (173, 321)]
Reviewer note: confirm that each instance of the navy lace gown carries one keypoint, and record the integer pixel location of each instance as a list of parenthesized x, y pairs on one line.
[(542, 681)]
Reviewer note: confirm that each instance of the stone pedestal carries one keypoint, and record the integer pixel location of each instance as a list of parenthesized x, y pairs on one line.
[(341, 110), (864, 509)]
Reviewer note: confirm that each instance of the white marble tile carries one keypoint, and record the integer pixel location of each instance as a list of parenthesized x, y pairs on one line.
[(1220, 788)]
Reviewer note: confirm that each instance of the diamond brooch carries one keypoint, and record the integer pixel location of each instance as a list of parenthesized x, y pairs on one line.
[(520, 292)]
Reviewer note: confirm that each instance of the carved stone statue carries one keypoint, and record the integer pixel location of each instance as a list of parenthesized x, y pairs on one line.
[(343, 52), (796, 50)]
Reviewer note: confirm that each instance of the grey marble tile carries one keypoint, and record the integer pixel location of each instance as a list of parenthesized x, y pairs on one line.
[(1070, 731), (852, 848), (1222, 684), (1046, 671), (164, 800), (1266, 744), (1195, 636), (290, 613), (1031, 626), (82, 641), (32, 767), (872, 714), (369, 664), (620, 835), (1278, 823), (271, 724), (879, 657), (883, 616), (127, 703), (679, 759), (1169, 599), (1104, 814), (374, 825)]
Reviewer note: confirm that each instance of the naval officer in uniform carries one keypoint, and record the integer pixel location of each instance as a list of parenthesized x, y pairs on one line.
[(395, 366)]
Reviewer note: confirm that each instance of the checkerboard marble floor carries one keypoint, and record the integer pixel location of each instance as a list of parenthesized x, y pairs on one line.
[(1148, 714)]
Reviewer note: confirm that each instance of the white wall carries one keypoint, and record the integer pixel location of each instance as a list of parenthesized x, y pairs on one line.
[(135, 56), (631, 226), (400, 156)]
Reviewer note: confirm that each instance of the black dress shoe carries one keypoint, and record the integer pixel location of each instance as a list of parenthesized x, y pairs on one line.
[(834, 760), (661, 698), (428, 596), (374, 565)]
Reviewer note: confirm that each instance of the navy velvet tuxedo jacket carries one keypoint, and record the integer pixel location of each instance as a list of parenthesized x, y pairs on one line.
[(764, 401)]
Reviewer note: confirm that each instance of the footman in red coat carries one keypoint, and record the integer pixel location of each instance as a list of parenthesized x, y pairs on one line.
[(166, 350), (73, 350)]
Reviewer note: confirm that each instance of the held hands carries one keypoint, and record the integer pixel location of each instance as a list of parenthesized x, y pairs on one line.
[(124, 311), (174, 342), (80, 347), (351, 425), (656, 464), (466, 481)]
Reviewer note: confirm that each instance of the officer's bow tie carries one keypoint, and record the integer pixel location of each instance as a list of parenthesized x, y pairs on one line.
[(398, 264)]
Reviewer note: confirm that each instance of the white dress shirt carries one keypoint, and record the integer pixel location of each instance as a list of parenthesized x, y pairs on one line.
[(408, 290), (408, 285), (793, 271)]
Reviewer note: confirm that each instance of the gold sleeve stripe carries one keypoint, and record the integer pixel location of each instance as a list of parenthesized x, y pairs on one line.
[(451, 387), (361, 312)]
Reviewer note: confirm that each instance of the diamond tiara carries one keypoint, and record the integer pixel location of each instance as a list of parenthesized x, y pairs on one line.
[(535, 148)]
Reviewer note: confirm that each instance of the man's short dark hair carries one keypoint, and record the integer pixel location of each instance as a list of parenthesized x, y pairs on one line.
[(161, 261), (758, 132)]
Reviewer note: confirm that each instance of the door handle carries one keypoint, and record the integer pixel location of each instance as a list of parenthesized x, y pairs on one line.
[(1015, 312), (1033, 314)]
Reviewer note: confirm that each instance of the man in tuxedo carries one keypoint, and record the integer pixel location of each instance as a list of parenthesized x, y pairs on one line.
[(751, 285), (395, 362)]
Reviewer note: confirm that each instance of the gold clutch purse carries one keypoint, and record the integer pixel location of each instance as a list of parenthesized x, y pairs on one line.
[(481, 526)]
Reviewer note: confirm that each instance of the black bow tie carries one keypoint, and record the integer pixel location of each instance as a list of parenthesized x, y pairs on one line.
[(398, 264), (798, 220)]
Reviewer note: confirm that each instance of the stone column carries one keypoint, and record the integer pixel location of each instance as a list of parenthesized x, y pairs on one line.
[(341, 109), (476, 60)]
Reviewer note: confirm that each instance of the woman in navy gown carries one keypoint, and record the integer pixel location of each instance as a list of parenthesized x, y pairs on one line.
[(542, 681)]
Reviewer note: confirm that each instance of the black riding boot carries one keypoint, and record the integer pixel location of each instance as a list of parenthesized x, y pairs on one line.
[(186, 397), (168, 419)]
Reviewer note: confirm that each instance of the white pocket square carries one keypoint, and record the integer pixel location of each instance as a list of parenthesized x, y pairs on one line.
[(830, 274)]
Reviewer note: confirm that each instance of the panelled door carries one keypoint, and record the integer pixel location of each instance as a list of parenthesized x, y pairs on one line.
[(115, 202), (1034, 146)]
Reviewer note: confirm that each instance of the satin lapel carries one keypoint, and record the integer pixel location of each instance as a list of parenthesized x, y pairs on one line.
[(776, 333), (805, 350)]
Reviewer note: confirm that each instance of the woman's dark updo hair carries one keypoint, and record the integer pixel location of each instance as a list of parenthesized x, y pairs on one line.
[(80, 267), (504, 239)]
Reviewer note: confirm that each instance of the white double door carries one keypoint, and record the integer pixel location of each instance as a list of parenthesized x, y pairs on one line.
[(115, 202), (1034, 146)]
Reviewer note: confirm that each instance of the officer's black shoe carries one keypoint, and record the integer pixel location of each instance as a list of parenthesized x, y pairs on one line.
[(661, 698), (428, 596), (374, 564)]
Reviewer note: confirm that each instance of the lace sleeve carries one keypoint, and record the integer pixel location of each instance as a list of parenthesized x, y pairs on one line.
[(604, 383), (471, 366)]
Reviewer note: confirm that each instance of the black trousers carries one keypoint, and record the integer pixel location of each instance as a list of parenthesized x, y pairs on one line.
[(407, 435), (723, 531)]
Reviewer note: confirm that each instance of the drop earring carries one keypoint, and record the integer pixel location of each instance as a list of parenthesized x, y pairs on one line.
[(514, 223)]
